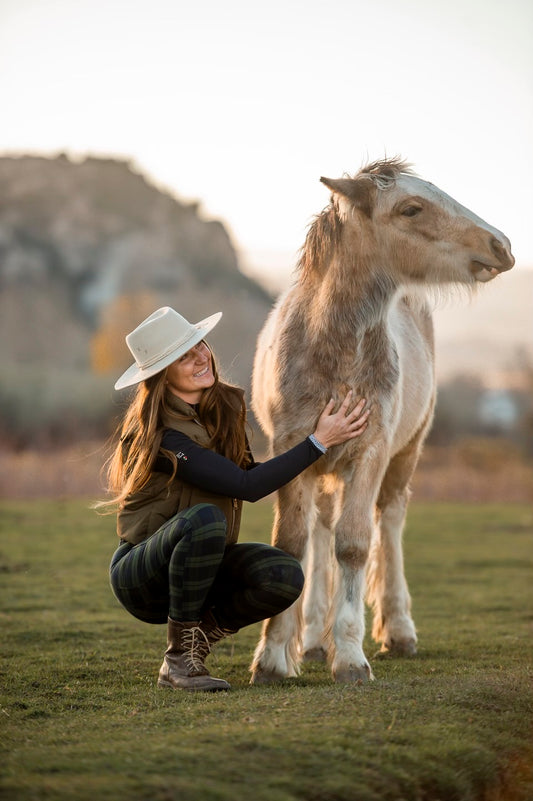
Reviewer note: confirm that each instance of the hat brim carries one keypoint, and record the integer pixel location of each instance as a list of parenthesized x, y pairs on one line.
[(134, 374)]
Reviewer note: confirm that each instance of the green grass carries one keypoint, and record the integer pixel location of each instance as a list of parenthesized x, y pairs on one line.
[(81, 716)]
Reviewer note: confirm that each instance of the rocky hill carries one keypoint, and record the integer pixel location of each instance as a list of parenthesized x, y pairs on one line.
[(88, 249)]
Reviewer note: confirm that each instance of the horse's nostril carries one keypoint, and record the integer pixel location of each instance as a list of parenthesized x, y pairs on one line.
[(497, 247)]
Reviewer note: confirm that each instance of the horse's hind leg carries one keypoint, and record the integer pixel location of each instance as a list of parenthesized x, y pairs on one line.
[(278, 652), (388, 593), (319, 579)]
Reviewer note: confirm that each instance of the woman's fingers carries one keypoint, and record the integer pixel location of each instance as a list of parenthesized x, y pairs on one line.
[(346, 401), (329, 407), (359, 425), (359, 406), (343, 408), (357, 411), (359, 421)]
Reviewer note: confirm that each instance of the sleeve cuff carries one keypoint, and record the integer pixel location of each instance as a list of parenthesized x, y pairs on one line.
[(318, 445)]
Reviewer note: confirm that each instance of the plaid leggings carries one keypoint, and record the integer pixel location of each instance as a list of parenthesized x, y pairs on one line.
[(186, 568)]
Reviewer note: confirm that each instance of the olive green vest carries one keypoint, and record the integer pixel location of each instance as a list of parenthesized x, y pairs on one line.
[(145, 511)]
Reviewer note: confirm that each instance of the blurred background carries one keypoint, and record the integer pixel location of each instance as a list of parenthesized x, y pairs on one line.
[(169, 153)]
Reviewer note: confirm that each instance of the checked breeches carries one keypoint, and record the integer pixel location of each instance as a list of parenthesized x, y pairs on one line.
[(185, 569)]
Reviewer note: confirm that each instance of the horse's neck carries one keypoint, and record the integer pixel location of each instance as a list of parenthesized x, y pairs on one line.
[(348, 309), (348, 327)]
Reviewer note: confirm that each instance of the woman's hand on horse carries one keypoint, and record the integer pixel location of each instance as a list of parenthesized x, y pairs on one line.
[(334, 428)]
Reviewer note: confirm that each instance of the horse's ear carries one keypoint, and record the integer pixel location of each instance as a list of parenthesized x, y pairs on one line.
[(358, 192)]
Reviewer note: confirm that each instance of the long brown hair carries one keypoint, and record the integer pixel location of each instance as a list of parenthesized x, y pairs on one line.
[(222, 411)]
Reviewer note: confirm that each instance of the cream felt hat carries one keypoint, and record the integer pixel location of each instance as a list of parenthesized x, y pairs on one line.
[(160, 340)]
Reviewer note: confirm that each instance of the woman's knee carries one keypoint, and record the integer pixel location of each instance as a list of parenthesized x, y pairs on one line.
[(283, 572), (205, 526), (295, 577)]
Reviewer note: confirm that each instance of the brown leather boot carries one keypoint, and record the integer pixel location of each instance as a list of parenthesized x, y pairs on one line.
[(183, 665), (213, 631)]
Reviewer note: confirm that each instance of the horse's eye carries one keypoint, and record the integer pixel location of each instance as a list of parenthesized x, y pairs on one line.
[(411, 211)]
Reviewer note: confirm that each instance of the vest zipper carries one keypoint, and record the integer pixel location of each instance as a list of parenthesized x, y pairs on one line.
[(234, 507)]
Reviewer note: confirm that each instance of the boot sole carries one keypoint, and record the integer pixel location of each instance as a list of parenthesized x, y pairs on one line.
[(212, 689)]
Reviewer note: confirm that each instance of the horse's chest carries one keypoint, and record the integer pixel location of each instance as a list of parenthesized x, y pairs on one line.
[(376, 364), (394, 371)]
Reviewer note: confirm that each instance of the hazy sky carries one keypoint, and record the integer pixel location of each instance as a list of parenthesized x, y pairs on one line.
[(244, 105)]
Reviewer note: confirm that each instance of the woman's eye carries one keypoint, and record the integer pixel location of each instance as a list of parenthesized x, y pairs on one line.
[(411, 211)]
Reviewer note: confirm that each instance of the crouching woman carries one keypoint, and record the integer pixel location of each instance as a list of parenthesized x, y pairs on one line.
[(178, 476)]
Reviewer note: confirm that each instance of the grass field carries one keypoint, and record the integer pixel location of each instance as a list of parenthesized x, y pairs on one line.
[(81, 716)]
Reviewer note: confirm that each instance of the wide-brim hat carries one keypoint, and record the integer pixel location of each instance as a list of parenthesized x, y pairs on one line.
[(160, 340)]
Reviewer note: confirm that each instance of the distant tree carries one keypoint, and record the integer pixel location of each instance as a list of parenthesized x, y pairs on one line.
[(108, 348)]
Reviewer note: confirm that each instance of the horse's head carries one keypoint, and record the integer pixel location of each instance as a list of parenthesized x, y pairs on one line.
[(415, 230)]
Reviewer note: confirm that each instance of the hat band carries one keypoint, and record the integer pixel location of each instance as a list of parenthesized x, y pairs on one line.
[(175, 345)]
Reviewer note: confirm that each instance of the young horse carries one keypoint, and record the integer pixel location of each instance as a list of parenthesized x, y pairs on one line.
[(356, 319)]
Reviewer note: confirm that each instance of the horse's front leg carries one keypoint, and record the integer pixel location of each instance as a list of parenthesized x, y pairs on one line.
[(319, 580), (278, 653), (353, 535)]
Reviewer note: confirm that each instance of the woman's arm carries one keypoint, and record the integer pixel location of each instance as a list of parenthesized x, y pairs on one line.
[(210, 471)]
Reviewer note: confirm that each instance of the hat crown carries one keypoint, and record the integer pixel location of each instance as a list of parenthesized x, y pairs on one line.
[(160, 334)]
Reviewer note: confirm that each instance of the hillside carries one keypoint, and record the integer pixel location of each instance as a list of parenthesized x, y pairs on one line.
[(87, 250)]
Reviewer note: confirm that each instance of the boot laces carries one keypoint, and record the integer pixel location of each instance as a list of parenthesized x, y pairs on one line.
[(218, 633), (196, 647)]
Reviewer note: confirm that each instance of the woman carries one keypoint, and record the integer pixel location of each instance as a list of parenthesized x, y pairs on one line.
[(179, 475)]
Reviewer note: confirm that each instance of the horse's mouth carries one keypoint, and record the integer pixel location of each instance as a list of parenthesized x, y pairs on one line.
[(484, 272)]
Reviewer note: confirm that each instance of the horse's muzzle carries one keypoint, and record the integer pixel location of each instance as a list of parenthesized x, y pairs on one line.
[(503, 254), (500, 260)]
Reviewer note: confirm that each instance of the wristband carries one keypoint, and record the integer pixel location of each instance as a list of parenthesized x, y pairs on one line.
[(318, 445)]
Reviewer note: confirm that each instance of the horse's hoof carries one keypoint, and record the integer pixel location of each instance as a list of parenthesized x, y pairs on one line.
[(399, 648), (353, 674), (315, 655), (260, 676)]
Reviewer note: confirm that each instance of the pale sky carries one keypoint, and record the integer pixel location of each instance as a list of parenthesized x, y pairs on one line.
[(244, 105)]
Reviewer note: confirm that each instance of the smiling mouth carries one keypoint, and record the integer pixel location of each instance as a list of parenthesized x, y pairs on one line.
[(202, 372)]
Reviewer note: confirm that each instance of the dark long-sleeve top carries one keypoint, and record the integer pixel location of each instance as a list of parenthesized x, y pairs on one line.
[(215, 473)]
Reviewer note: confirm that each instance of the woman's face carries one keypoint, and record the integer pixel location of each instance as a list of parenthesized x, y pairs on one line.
[(189, 375)]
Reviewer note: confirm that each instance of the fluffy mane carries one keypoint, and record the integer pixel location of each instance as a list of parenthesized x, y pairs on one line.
[(322, 239), (385, 171), (324, 231)]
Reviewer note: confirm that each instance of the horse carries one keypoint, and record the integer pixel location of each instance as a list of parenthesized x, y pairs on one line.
[(358, 317)]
